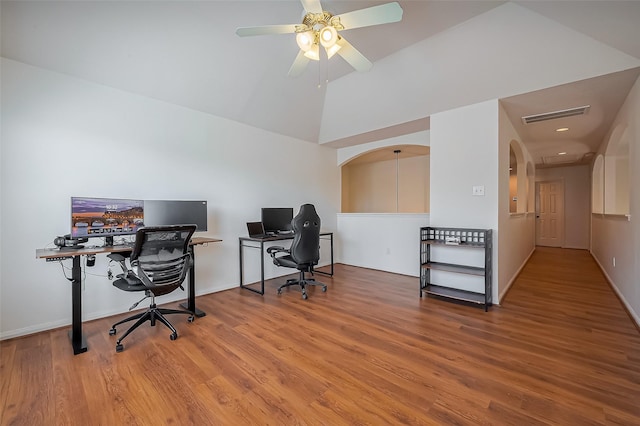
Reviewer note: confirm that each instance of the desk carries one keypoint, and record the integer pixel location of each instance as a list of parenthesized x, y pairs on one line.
[(78, 341), (258, 243)]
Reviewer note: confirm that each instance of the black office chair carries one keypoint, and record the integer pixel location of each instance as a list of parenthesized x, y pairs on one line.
[(160, 261), (304, 252)]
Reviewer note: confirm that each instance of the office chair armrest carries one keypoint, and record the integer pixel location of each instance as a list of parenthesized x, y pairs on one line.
[(120, 260), (276, 249), (116, 257)]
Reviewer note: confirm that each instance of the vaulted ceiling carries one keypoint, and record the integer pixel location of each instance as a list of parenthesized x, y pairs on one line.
[(187, 53)]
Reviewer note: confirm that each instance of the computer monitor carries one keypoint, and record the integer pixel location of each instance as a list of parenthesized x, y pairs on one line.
[(277, 219), (105, 217), (176, 212)]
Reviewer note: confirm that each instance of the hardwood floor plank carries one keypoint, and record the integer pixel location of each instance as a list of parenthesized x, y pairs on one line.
[(560, 350)]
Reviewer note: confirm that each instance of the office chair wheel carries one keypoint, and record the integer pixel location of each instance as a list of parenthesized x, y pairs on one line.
[(119, 347), (304, 296), (279, 291), (191, 318), (324, 288), (112, 332), (173, 336)]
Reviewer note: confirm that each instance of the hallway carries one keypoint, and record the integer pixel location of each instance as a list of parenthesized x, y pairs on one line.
[(580, 332)]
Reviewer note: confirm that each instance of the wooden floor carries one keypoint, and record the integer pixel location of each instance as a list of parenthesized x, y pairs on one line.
[(561, 350)]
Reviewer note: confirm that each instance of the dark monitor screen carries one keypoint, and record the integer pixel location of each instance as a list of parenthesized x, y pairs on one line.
[(105, 217), (277, 219), (176, 212)]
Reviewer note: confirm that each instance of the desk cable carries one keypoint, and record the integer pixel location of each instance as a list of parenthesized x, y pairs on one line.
[(84, 271)]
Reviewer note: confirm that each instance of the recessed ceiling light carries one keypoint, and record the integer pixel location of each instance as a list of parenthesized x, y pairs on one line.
[(562, 153), (562, 129)]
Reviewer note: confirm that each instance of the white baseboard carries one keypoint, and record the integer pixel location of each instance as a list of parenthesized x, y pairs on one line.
[(514, 277), (97, 315), (632, 313)]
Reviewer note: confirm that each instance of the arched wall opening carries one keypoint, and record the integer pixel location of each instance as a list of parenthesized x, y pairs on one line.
[(518, 179), (597, 185), (386, 181), (616, 172)]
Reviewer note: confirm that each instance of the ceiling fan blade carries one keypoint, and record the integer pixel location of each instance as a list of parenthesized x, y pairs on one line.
[(299, 64), (353, 56), (312, 6), (376, 15), (266, 29)]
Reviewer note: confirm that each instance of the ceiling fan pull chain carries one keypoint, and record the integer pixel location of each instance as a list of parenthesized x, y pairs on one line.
[(326, 80)]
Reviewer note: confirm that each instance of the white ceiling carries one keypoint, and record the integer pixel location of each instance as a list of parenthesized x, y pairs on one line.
[(187, 53)]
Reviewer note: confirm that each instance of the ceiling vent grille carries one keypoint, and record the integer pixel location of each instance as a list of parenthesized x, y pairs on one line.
[(555, 114), (559, 159)]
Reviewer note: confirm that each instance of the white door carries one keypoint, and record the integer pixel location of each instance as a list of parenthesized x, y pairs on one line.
[(550, 214)]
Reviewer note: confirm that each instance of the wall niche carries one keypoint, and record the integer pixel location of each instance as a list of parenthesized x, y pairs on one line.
[(393, 179)]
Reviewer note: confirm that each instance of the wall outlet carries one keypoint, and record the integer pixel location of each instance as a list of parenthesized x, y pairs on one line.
[(478, 190), (614, 261)]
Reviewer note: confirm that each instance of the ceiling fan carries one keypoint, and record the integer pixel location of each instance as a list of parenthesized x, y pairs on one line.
[(321, 28)]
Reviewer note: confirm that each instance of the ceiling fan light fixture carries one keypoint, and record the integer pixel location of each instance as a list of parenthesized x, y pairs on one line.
[(328, 36), (305, 40), (332, 50), (313, 52)]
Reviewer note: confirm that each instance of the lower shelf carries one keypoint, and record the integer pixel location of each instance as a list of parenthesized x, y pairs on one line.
[(456, 294)]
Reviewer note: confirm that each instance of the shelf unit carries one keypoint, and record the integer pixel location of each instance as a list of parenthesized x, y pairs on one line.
[(452, 238)]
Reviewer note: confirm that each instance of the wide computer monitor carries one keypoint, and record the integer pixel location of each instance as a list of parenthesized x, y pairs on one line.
[(176, 212), (105, 217), (277, 219)]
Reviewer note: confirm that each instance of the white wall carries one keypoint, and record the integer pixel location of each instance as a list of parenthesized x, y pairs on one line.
[(615, 236), (386, 242), (64, 137), (500, 53), (464, 153), (577, 202), (516, 236)]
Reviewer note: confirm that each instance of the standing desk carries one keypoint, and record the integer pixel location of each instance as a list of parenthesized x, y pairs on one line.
[(78, 341), (258, 243)]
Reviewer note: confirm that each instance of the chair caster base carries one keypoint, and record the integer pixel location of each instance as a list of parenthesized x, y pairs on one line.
[(173, 336), (112, 332), (324, 288), (119, 347), (304, 296), (191, 318)]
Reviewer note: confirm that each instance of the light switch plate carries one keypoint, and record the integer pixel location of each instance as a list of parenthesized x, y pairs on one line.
[(478, 190)]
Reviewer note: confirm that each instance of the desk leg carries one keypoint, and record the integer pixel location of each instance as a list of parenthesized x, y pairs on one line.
[(241, 257), (331, 253), (78, 341), (241, 260), (330, 274), (261, 267), (191, 298)]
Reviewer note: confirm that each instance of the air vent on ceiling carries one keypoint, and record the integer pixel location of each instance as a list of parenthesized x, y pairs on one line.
[(559, 159), (555, 114)]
